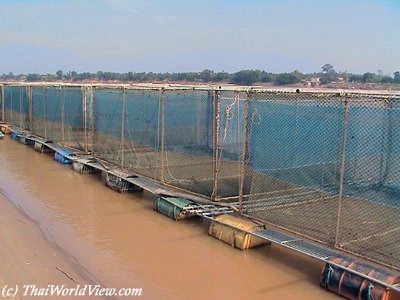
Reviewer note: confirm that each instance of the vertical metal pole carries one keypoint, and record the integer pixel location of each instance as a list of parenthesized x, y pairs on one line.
[(162, 178), (342, 168), (216, 150), (123, 127), (84, 118), (62, 90), (245, 145), (44, 112), (3, 100)]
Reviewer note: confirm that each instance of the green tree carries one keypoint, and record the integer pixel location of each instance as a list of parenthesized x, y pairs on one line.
[(33, 77), (356, 78), (328, 74), (327, 68), (386, 79), (207, 75), (370, 77), (247, 77), (396, 78), (221, 76), (268, 77), (59, 74), (9, 76), (288, 78)]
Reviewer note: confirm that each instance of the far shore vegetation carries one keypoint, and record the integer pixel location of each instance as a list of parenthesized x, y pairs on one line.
[(327, 75)]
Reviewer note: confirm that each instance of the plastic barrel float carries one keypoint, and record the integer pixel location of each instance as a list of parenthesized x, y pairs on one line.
[(26, 140), (236, 231), (4, 129), (392, 187), (15, 135), (120, 185), (174, 207), (83, 168), (41, 147), (63, 156), (355, 287)]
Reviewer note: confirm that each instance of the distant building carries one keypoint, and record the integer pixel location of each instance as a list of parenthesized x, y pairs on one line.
[(313, 82)]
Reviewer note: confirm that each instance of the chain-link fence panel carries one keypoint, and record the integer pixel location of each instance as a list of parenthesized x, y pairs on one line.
[(187, 120), (2, 96), (18, 106), (25, 120), (295, 143), (52, 102), (12, 105), (142, 132), (369, 223), (233, 106), (107, 124), (72, 117), (39, 111)]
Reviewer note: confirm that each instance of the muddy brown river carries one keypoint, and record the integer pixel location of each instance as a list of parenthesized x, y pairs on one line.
[(119, 241)]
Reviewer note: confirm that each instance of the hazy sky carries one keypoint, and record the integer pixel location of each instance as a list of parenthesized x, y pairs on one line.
[(184, 35)]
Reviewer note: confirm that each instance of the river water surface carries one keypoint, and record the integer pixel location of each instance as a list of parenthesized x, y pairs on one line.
[(121, 242)]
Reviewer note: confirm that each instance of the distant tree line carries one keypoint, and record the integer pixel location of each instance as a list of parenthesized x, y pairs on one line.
[(245, 77)]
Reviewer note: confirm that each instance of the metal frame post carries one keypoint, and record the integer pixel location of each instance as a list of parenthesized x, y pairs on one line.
[(245, 146), (216, 150), (162, 136), (342, 168), (123, 127)]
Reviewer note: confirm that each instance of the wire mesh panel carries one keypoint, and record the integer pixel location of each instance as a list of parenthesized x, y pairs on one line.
[(187, 140), (230, 144), (295, 143), (369, 223), (107, 124), (73, 100), (142, 132), (39, 111), (17, 106), (25, 120), (2, 96), (11, 105), (52, 102)]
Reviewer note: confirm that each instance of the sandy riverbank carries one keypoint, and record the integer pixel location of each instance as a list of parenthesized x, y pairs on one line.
[(27, 256)]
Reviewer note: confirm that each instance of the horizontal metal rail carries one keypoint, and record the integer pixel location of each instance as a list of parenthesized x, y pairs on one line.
[(182, 87)]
